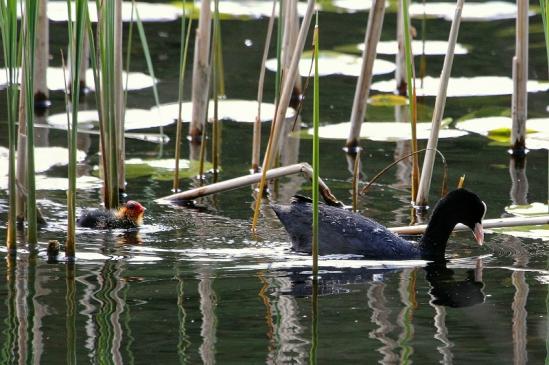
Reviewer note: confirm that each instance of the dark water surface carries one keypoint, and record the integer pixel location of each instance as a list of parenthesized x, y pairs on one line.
[(195, 286)]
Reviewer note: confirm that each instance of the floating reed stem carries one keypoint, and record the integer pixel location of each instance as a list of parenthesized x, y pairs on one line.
[(362, 90), (201, 73), (282, 106), (519, 103), (182, 65), (8, 30), (316, 152), (248, 180), (486, 223), (256, 146), (429, 159)]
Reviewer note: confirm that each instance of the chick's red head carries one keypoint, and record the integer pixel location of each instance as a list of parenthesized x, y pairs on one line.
[(134, 211)]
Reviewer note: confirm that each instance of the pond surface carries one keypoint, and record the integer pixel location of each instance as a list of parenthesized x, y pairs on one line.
[(195, 286)]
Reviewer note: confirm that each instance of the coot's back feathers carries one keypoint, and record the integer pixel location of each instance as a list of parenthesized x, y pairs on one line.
[(344, 232)]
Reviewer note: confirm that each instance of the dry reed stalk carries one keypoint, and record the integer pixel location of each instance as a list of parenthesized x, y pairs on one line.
[(486, 223), (440, 102), (201, 72), (41, 93), (520, 77), (400, 58), (278, 121), (373, 33), (256, 147), (247, 180)]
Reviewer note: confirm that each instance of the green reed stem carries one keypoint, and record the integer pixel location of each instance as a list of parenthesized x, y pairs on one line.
[(31, 13), (147, 54), (182, 66), (316, 151), (216, 69), (410, 79), (8, 31), (76, 44), (544, 17)]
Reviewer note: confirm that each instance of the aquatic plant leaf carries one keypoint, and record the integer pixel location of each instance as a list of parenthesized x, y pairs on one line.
[(535, 232), (228, 109), (48, 183), (387, 100), (429, 48), (135, 119), (58, 11), (45, 158), (352, 6), (464, 86), (528, 210), (499, 129), (481, 11), (136, 81), (335, 63), (384, 131), (162, 170)]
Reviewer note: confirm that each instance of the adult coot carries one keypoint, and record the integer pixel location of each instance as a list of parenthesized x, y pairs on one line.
[(130, 215), (344, 232)]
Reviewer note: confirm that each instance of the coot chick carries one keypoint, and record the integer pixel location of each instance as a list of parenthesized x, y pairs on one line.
[(344, 232), (130, 215)]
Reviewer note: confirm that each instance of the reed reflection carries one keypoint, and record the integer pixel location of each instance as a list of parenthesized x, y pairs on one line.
[(70, 302), (380, 317), (184, 343), (10, 348), (208, 331)]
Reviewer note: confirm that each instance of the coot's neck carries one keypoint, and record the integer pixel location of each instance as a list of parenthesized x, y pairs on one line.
[(434, 240)]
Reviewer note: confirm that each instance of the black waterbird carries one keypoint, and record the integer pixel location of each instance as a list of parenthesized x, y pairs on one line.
[(344, 232), (130, 215)]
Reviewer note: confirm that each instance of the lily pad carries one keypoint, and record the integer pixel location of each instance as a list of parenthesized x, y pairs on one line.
[(135, 119), (529, 210), (45, 158), (482, 11), (499, 129), (535, 232), (353, 6), (163, 169), (335, 63), (136, 81), (464, 86), (383, 131), (429, 48), (48, 183), (228, 109), (148, 12), (387, 100)]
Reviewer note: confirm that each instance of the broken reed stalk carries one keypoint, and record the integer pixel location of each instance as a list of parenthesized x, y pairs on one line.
[(41, 93), (201, 73), (486, 223), (282, 106), (76, 39), (519, 101), (29, 47), (429, 159), (256, 146), (410, 81), (316, 152), (182, 65), (248, 180), (8, 30), (362, 90)]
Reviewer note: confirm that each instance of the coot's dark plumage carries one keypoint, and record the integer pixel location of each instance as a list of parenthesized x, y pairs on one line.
[(344, 232), (130, 215)]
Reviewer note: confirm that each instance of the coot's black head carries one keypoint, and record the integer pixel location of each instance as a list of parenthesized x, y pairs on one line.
[(462, 206)]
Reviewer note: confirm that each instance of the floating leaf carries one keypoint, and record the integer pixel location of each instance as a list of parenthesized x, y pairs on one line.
[(228, 109), (335, 63), (48, 183), (535, 232), (464, 86), (353, 6), (499, 129), (528, 210), (135, 119), (387, 100), (45, 158), (429, 48), (136, 81), (485, 11), (58, 11), (383, 131), (163, 169)]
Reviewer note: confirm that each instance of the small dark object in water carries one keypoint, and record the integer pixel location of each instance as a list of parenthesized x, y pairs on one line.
[(53, 248), (344, 232), (130, 215)]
